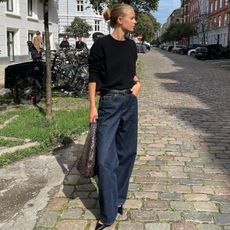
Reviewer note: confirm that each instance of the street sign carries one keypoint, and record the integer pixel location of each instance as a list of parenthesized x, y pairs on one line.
[(139, 37)]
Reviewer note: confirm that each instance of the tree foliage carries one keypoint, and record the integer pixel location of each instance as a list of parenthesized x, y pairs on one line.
[(78, 27), (176, 32), (146, 26), (139, 5)]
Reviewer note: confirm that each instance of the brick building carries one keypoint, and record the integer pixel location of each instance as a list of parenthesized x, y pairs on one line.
[(211, 20), (218, 22)]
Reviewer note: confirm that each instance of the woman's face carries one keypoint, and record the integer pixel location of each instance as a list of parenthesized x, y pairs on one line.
[(128, 21)]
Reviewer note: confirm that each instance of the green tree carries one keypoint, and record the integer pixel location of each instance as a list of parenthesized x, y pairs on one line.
[(78, 27), (139, 5), (176, 32), (146, 26)]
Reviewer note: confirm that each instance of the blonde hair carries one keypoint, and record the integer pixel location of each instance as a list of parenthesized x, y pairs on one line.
[(115, 12)]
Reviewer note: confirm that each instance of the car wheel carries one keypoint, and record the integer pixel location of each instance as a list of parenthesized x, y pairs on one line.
[(192, 54), (181, 52), (27, 91)]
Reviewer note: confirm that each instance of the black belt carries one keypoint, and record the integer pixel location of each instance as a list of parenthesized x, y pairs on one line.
[(116, 91)]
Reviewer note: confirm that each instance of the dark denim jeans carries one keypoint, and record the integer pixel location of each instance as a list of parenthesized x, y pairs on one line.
[(116, 151)]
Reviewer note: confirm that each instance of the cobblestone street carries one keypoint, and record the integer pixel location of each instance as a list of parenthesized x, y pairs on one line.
[(181, 177)]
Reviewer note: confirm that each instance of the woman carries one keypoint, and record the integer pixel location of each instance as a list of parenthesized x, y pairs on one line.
[(112, 72)]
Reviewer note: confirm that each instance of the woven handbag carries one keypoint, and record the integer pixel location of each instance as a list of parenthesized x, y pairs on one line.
[(87, 162)]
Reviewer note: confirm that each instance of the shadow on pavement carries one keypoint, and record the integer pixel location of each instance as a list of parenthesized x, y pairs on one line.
[(81, 191), (210, 86)]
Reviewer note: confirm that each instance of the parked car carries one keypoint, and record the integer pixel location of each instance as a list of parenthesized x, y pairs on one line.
[(177, 48), (185, 49), (212, 51), (192, 52), (201, 52), (148, 46), (215, 51), (141, 48), (169, 48)]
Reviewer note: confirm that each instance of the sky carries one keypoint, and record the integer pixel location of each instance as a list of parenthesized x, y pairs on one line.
[(165, 9)]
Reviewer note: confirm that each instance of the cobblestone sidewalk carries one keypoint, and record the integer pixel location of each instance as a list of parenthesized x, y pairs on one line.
[(181, 176)]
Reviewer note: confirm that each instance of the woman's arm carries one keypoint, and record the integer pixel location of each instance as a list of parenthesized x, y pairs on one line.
[(93, 110), (137, 87)]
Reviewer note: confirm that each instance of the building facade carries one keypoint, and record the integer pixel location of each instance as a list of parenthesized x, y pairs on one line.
[(19, 20), (218, 22), (211, 19), (69, 9)]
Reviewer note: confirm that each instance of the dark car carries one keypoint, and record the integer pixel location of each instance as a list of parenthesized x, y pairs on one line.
[(211, 51), (215, 51), (201, 52), (185, 49)]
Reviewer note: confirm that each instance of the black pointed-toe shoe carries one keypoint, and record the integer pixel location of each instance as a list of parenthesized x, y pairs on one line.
[(100, 226), (120, 210)]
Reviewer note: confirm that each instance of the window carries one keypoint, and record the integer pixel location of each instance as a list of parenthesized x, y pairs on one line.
[(97, 25), (219, 21), (215, 5), (211, 8), (221, 3), (10, 5), (225, 19), (10, 45), (80, 4), (225, 2), (30, 7)]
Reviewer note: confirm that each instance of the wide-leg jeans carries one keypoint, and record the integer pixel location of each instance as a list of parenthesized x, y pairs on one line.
[(116, 151)]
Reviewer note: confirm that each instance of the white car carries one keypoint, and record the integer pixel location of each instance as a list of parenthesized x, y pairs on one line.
[(192, 52)]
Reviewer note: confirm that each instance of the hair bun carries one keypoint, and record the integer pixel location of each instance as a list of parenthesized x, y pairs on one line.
[(107, 14)]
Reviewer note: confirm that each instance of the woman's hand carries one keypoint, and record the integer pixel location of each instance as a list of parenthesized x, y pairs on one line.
[(93, 115), (136, 88)]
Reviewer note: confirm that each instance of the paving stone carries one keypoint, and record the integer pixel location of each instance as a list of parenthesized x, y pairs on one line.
[(169, 216), (196, 197), (222, 219), (170, 196), (130, 226), (86, 187), (208, 227), (220, 198), (48, 219), (157, 226), (180, 226), (225, 207), (134, 187), (198, 217), (65, 191), (149, 195), (72, 213), (191, 182), (177, 175), (202, 189), (157, 205), (205, 206), (71, 179), (71, 225), (143, 215), (179, 188), (57, 203), (82, 203), (154, 187), (91, 214), (133, 204), (182, 206)]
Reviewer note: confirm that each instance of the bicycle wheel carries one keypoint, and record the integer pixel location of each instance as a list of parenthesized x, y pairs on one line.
[(27, 91)]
